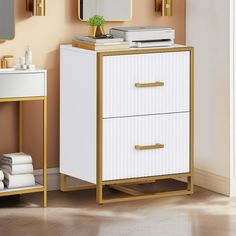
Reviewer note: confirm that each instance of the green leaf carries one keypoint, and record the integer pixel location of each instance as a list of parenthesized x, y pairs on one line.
[(96, 20)]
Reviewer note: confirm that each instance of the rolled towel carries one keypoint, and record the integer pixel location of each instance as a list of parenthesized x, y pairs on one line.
[(18, 169), (1, 175), (1, 185), (16, 159), (18, 181)]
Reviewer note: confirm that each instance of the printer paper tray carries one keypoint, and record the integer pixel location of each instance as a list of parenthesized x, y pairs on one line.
[(147, 44)]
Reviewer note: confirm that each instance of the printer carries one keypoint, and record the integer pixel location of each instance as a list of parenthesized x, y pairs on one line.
[(147, 36)]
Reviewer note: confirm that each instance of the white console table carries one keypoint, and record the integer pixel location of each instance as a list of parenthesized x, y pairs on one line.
[(21, 86)]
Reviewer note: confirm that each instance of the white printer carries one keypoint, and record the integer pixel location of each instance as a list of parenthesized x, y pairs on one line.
[(148, 36)]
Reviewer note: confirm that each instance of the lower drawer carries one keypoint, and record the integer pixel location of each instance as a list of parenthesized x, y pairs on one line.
[(146, 146)]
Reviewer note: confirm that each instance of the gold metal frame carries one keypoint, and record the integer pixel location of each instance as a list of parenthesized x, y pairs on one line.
[(119, 184), (40, 188), (36, 7), (164, 6)]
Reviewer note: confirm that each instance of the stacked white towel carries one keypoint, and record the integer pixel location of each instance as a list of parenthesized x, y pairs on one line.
[(18, 170), (1, 180)]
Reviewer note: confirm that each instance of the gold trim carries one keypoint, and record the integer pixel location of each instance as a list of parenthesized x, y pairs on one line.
[(79, 187), (144, 51), (27, 191), (100, 183), (22, 99), (141, 180), (147, 196), (45, 151), (65, 188), (124, 189), (20, 126), (99, 128), (156, 146), (191, 180), (145, 179)]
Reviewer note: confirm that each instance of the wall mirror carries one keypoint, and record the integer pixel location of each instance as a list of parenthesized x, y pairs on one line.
[(112, 10), (7, 20)]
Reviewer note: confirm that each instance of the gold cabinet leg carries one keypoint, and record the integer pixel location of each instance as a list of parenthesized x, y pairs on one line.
[(62, 182), (20, 126), (45, 151), (190, 184), (99, 190), (99, 184)]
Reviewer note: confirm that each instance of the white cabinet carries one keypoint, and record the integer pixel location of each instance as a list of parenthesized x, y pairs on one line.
[(126, 116)]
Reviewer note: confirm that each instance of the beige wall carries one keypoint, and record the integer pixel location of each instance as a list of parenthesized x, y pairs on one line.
[(44, 35)]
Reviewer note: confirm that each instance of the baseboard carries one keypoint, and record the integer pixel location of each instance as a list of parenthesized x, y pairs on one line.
[(213, 182), (233, 188), (202, 178)]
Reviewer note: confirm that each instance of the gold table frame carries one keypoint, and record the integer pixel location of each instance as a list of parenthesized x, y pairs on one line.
[(39, 188)]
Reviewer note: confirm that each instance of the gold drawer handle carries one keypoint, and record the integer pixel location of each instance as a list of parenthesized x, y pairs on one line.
[(156, 146), (147, 85)]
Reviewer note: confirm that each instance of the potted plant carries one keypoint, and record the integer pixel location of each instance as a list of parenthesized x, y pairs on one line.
[(96, 26)]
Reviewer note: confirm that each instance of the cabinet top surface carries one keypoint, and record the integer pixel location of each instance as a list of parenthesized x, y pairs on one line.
[(175, 47), (14, 71)]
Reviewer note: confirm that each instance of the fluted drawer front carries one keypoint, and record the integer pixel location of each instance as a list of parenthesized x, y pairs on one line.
[(146, 84), (145, 146)]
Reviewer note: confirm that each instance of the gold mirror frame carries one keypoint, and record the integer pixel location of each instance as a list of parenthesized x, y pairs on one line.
[(5, 39)]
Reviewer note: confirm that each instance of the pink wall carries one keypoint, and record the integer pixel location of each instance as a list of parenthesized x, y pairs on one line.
[(44, 35)]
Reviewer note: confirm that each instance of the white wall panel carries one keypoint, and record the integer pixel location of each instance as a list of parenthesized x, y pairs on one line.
[(208, 31)]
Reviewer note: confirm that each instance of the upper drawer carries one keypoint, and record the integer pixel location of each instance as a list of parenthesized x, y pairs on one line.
[(126, 81), (22, 85)]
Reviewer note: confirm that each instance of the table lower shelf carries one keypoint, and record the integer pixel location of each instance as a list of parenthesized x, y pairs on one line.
[(15, 191)]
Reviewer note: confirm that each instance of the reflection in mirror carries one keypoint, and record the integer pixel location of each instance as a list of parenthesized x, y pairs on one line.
[(112, 10), (7, 20)]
